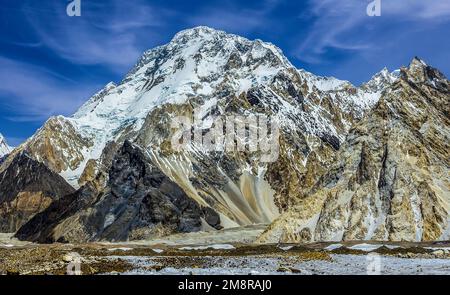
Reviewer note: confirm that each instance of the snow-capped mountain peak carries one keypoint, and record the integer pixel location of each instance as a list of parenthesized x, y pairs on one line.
[(207, 66), (201, 62), (203, 33), (194, 63), (419, 71), (379, 81), (324, 83)]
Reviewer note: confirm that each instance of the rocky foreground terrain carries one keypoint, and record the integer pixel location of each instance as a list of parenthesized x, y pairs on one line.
[(345, 163), (177, 255)]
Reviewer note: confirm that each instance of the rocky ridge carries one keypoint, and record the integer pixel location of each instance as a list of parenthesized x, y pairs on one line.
[(391, 178), (138, 202), (27, 187)]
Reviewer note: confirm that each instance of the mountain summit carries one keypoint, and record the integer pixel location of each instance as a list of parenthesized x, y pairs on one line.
[(118, 148)]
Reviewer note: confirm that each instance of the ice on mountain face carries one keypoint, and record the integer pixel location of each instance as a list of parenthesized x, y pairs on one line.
[(94, 100), (417, 62), (4, 147), (196, 63), (323, 83), (381, 79), (350, 99), (366, 96), (396, 74)]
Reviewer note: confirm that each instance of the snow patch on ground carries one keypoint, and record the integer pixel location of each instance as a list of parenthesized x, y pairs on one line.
[(338, 265), (365, 247), (333, 247), (120, 249), (215, 247)]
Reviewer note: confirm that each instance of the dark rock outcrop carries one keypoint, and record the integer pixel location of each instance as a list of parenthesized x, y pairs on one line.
[(139, 201), (27, 187)]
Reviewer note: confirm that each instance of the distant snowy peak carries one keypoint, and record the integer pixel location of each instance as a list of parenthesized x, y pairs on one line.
[(4, 147), (380, 80), (349, 98), (420, 72), (323, 84)]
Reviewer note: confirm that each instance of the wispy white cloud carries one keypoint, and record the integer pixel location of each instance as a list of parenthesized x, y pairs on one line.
[(430, 10), (115, 33), (345, 24), (33, 93), (105, 34), (108, 34)]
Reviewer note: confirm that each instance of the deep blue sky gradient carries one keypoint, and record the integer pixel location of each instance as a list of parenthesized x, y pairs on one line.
[(51, 63)]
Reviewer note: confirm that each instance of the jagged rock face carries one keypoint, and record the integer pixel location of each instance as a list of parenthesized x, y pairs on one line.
[(240, 186), (244, 189), (59, 145), (27, 187), (213, 179), (391, 177), (138, 202)]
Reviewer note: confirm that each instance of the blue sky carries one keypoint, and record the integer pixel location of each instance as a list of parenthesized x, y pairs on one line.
[(51, 63)]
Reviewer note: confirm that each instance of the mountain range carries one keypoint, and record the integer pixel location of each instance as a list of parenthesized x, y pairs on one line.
[(352, 163)]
